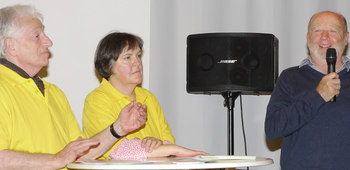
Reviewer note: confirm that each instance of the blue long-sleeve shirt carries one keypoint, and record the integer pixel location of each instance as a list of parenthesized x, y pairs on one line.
[(316, 133)]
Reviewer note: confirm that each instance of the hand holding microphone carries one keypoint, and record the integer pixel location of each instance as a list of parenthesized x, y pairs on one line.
[(329, 86)]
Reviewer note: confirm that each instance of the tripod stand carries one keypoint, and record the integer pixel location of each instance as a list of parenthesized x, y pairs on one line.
[(230, 98)]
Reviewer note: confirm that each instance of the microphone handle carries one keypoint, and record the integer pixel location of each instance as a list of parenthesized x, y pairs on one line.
[(331, 68)]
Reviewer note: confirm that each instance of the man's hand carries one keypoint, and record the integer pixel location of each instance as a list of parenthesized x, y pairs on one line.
[(131, 117), (74, 150), (329, 86), (150, 143)]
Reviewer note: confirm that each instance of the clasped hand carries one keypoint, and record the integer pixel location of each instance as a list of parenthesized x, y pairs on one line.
[(329, 86)]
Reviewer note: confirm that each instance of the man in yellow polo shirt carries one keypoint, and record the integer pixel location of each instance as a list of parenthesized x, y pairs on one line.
[(37, 127)]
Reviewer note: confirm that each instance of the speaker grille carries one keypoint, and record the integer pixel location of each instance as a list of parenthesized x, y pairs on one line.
[(237, 62)]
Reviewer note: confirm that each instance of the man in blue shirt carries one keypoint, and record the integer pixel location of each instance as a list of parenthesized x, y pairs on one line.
[(316, 132)]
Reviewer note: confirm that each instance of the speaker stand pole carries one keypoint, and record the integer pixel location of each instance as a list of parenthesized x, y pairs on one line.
[(230, 98)]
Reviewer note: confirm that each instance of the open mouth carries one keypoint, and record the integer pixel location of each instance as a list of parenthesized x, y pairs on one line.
[(325, 46)]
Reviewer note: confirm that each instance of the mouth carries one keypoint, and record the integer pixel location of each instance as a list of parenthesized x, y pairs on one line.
[(325, 46), (45, 52), (136, 72)]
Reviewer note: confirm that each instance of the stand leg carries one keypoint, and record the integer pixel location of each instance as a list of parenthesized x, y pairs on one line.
[(230, 98)]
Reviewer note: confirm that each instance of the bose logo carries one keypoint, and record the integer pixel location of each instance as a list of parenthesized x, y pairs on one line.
[(227, 61)]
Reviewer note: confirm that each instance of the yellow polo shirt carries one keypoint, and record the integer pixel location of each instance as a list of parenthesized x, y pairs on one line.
[(103, 105), (31, 122)]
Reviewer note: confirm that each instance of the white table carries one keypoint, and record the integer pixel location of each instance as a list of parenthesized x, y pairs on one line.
[(169, 163)]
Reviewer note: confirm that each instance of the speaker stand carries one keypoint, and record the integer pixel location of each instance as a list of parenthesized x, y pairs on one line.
[(229, 102)]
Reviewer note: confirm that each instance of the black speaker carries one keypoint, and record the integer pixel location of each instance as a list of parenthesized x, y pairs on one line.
[(232, 62)]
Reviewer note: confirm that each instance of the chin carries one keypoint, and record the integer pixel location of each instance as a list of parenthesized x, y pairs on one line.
[(45, 63)]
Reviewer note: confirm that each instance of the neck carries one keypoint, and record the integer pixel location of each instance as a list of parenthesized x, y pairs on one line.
[(322, 65), (31, 71), (126, 89)]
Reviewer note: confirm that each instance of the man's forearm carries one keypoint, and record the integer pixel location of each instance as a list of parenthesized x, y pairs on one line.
[(106, 141), (20, 160)]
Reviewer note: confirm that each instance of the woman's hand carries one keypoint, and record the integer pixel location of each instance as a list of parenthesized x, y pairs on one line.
[(150, 143)]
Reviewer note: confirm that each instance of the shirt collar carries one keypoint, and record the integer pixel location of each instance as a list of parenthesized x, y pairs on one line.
[(23, 74), (14, 68), (140, 96), (308, 61)]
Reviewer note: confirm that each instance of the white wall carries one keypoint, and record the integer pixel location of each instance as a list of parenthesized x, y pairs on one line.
[(76, 27), (197, 121)]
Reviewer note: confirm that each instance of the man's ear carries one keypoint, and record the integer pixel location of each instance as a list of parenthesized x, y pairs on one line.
[(10, 46)]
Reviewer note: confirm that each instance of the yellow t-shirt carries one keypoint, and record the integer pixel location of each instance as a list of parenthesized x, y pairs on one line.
[(103, 105), (31, 122)]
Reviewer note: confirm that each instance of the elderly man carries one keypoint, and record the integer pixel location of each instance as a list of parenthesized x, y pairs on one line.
[(316, 132), (37, 127)]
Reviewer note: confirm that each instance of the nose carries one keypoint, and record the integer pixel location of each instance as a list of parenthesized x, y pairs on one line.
[(324, 35), (47, 41), (137, 60)]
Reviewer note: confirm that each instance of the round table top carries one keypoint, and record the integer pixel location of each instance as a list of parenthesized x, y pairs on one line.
[(170, 163)]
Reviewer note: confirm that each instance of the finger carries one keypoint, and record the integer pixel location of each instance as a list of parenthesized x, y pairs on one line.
[(158, 144), (202, 153), (138, 105), (332, 75), (141, 121), (78, 148), (85, 146), (143, 115), (79, 138), (154, 145), (143, 142), (129, 107), (148, 145), (144, 108)]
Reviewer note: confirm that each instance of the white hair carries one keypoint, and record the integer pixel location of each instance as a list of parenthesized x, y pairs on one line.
[(9, 22)]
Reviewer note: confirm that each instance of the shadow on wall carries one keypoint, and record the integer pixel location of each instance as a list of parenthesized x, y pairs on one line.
[(274, 145), (43, 72)]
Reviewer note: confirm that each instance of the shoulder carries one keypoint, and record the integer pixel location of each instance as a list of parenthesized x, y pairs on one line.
[(97, 93), (54, 90), (52, 87), (293, 72), (144, 92)]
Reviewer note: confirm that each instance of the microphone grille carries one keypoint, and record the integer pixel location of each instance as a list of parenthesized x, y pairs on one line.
[(331, 55)]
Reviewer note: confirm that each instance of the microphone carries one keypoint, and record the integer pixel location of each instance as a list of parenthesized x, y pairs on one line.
[(331, 58)]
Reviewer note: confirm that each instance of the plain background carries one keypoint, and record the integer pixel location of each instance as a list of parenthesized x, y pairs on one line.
[(197, 121)]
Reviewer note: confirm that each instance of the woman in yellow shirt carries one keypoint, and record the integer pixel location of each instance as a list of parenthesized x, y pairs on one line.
[(118, 62)]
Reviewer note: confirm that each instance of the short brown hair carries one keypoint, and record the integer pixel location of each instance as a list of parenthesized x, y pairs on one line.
[(109, 49)]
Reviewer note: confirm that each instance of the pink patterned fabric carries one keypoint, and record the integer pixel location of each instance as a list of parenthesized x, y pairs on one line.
[(130, 150)]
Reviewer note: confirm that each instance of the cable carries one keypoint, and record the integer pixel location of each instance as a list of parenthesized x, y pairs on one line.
[(243, 131)]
